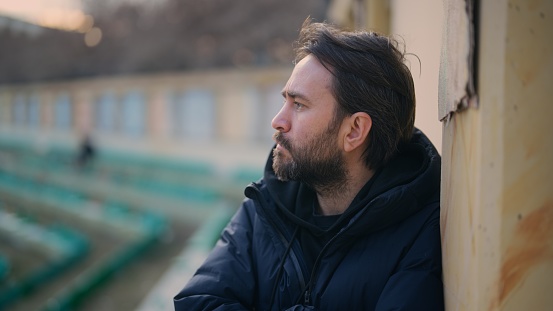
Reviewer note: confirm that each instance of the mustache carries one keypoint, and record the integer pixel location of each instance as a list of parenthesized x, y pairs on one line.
[(282, 140)]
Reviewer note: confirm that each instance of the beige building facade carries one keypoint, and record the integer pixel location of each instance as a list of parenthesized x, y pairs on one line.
[(221, 116)]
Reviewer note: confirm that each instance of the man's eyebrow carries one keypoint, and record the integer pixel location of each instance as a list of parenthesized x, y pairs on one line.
[(294, 95)]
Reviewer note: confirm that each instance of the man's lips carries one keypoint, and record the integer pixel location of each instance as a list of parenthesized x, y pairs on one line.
[(282, 144), (281, 150)]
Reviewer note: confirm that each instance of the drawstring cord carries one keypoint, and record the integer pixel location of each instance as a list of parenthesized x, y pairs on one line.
[(281, 266)]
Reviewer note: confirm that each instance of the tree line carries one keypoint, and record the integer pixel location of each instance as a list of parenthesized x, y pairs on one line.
[(175, 36)]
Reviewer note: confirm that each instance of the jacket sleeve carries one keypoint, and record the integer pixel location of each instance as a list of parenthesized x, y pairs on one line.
[(225, 281), (417, 284)]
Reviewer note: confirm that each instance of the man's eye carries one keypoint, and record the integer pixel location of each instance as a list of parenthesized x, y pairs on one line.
[(298, 105)]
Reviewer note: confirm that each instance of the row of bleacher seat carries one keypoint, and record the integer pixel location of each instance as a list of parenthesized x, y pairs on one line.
[(48, 180), (138, 230), (60, 246), (183, 178)]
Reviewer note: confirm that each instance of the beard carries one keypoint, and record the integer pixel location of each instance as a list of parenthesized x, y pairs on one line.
[(318, 163)]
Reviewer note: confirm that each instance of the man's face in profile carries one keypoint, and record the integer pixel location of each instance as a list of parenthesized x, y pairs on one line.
[(307, 133)]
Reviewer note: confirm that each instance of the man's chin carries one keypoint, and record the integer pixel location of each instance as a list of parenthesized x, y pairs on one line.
[(279, 168), (278, 175), (281, 155), (281, 178)]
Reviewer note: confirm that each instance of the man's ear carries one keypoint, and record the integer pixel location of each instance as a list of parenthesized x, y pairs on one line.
[(358, 127)]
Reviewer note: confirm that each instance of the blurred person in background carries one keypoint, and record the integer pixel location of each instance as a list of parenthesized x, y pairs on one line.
[(86, 152), (346, 216)]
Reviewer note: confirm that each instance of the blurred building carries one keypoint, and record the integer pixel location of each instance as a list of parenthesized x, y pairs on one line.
[(193, 114)]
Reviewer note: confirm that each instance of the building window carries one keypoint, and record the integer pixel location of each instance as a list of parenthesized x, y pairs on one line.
[(174, 112), (252, 104), (62, 112), (19, 111), (34, 111), (5, 118), (271, 106), (194, 115), (106, 112), (133, 114)]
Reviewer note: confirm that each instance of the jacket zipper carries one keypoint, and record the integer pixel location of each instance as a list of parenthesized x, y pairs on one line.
[(312, 277), (294, 258), (284, 241)]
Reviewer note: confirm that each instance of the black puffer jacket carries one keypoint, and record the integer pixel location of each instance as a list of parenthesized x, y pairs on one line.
[(385, 255)]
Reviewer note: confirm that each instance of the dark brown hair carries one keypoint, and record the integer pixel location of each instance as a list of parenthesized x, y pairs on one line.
[(369, 76)]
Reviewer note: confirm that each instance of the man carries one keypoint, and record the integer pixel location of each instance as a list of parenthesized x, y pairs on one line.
[(346, 216)]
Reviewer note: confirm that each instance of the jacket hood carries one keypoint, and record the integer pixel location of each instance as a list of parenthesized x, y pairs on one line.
[(405, 185)]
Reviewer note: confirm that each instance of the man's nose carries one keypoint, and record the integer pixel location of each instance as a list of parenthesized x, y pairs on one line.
[(281, 121)]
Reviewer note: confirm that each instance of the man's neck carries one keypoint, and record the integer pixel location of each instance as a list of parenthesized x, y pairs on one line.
[(335, 200)]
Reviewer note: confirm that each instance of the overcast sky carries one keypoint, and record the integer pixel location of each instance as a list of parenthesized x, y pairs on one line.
[(32, 9), (62, 14)]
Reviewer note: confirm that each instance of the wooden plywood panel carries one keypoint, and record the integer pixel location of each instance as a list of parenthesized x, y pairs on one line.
[(497, 180)]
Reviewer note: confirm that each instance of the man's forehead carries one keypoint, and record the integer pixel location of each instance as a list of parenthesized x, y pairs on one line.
[(308, 79)]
